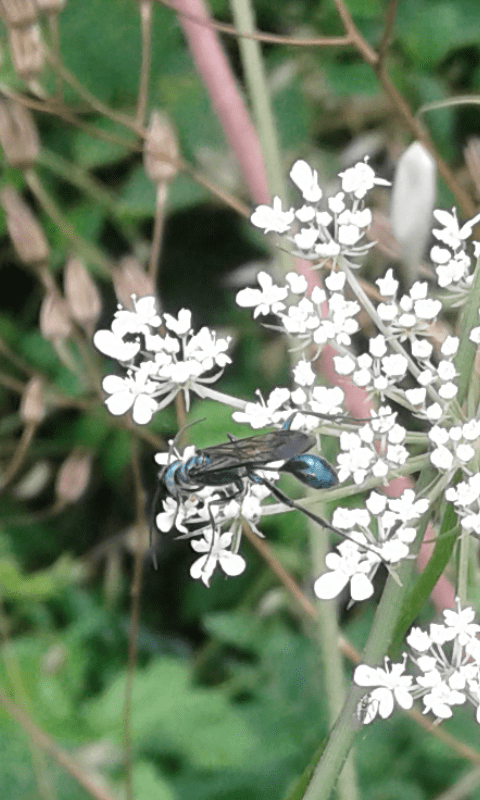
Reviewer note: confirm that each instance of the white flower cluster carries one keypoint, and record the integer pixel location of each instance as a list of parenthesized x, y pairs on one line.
[(307, 318), (320, 233), (398, 354), (356, 566), (160, 355), (447, 674), (157, 364), (381, 370), (453, 263), (465, 496), (374, 449), (311, 403)]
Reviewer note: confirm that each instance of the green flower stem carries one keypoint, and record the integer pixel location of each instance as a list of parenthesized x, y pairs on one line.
[(422, 587), (386, 619), (462, 576), (464, 360), (207, 393), (341, 739), (334, 680), (256, 82)]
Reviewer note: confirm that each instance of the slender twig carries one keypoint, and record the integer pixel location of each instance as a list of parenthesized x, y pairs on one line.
[(12, 670), (279, 570), (158, 226), (86, 248), (69, 764), (387, 30), (270, 38), (10, 471), (135, 594), (145, 9), (88, 97), (401, 105)]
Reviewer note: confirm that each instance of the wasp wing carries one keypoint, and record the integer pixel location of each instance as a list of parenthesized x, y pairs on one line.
[(253, 451)]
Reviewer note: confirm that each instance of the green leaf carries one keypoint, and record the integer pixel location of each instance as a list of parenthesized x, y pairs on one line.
[(235, 628), (115, 455), (148, 784), (346, 80), (40, 585), (91, 152), (427, 41), (100, 44), (422, 589), (171, 714), (138, 194)]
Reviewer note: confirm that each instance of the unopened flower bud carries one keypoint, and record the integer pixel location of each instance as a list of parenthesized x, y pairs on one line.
[(18, 12), (160, 152), (26, 51), (24, 230), (73, 477), (18, 135), (32, 404), (34, 481), (130, 279), (413, 198), (81, 293), (55, 322)]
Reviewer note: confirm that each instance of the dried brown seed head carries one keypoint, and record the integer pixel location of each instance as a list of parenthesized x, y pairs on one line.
[(32, 404), (18, 12), (55, 322), (160, 152), (81, 293), (50, 6), (26, 51), (25, 232), (73, 477), (130, 278), (18, 135)]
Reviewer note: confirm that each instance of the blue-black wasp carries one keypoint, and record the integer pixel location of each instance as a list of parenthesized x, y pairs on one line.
[(232, 463)]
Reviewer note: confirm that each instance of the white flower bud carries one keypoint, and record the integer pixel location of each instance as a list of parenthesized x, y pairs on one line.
[(413, 197)]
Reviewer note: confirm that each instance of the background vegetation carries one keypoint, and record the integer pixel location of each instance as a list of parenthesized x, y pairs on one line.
[(193, 692)]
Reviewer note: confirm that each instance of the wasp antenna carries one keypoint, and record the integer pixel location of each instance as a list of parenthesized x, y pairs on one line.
[(152, 525), (286, 425), (335, 417), (184, 428)]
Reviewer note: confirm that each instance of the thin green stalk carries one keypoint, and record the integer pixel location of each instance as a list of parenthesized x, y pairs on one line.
[(388, 612), (462, 575), (256, 82), (334, 680), (257, 88), (467, 350)]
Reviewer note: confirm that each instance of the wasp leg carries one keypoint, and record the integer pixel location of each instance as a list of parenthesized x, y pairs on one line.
[(152, 525), (284, 498), (239, 489)]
